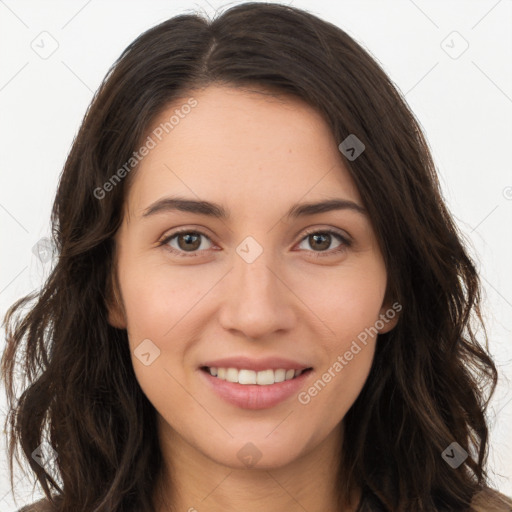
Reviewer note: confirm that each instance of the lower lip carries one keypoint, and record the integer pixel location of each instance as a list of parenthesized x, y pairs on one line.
[(254, 396)]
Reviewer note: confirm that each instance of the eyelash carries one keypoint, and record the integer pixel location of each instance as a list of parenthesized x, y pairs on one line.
[(345, 243)]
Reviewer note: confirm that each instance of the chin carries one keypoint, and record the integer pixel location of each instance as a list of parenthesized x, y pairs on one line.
[(259, 453)]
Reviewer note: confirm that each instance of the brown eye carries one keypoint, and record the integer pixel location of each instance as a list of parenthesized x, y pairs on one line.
[(184, 242), (320, 241), (189, 241)]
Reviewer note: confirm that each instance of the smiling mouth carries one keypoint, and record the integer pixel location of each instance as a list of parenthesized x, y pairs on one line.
[(245, 377)]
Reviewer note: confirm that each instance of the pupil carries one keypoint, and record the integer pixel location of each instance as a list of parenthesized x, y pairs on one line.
[(326, 240), (189, 238)]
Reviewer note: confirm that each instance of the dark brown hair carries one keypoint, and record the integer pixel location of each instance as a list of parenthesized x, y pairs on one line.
[(431, 378)]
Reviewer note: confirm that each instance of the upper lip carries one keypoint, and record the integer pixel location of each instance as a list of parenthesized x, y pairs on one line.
[(248, 363)]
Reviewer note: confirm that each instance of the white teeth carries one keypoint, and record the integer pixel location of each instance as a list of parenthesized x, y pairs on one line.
[(262, 378), (265, 377), (279, 375), (232, 375), (247, 377)]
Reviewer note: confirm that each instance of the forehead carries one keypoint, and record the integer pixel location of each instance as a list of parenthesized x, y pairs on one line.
[(241, 146)]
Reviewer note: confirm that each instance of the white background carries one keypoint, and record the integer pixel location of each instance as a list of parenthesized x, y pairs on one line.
[(464, 105)]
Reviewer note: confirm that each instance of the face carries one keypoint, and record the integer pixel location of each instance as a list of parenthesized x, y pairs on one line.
[(269, 286)]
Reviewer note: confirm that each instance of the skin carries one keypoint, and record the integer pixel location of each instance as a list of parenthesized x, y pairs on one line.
[(257, 156)]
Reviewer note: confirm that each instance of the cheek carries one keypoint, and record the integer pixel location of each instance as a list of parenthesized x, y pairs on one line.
[(346, 299), (337, 383), (159, 305), (348, 302), (156, 299)]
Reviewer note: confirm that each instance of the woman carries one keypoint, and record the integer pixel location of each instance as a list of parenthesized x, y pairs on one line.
[(261, 301)]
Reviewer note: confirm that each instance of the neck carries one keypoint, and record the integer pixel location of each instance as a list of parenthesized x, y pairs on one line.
[(200, 483)]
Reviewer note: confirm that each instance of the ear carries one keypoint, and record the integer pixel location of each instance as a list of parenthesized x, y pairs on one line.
[(116, 317), (115, 307), (388, 317)]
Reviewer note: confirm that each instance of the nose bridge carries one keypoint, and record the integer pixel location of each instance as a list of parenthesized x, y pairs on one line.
[(254, 271), (258, 302)]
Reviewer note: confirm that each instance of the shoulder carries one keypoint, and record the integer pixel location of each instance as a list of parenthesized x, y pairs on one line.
[(43, 505), (486, 500), (490, 500)]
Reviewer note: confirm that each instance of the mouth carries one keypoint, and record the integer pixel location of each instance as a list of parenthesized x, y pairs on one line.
[(256, 390), (245, 376)]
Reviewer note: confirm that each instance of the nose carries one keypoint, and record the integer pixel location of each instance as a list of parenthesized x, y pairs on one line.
[(258, 303)]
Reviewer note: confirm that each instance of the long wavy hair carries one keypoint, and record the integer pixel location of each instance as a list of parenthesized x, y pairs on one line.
[(432, 376)]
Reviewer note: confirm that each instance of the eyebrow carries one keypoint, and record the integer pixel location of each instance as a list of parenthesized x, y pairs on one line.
[(168, 204)]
